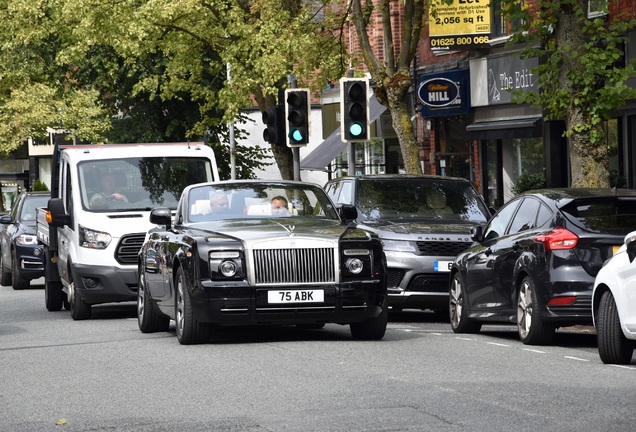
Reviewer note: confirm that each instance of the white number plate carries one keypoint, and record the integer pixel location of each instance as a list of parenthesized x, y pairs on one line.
[(443, 266), (296, 296)]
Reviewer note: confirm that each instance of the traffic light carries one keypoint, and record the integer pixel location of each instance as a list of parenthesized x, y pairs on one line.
[(274, 132), (297, 112), (354, 109)]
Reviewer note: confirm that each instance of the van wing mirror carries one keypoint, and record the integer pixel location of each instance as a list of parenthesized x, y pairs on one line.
[(59, 217)]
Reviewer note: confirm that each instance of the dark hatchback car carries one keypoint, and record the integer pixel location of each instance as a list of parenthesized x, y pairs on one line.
[(22, 255), (423, 221), (534, 263)]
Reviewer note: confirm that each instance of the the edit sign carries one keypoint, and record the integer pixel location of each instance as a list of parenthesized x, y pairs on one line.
[(438, 92)]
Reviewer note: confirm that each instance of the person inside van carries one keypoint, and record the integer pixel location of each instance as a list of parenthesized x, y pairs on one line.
[(107, 193)]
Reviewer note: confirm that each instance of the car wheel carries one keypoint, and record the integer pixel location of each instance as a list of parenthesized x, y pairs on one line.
[(148, 317), (189, 329), (613, 346), (5, 276), (17, 281), (80, 310), (373, 328), (460, 323), (53, 295), (532, 329)]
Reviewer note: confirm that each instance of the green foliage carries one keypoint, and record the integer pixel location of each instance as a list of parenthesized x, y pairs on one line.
[(526, 182), (39, 186)]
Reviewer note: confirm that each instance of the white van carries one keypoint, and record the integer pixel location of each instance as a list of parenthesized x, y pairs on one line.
[(93, 229)]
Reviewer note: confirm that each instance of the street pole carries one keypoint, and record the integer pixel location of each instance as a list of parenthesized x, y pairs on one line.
[(231, 129)]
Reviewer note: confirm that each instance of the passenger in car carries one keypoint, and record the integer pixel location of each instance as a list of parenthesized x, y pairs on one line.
[(436, 200), (279, 206), (219, 203)]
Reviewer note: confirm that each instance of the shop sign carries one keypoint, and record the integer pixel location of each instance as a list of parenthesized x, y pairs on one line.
[(444, 94)]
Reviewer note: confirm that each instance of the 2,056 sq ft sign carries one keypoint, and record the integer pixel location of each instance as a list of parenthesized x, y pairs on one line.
[(464, 24)]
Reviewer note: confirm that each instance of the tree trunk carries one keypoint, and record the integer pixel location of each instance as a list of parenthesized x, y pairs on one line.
[(284, 158), (589, 162), (395, 97)]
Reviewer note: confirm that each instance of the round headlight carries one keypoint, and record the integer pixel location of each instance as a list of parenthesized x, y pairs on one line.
[(228, 268), (354, 265)]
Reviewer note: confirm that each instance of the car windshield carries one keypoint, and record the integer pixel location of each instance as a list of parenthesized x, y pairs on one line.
[(420, 199), (611, 214), (31, 203), (139, 183), (257, 200)]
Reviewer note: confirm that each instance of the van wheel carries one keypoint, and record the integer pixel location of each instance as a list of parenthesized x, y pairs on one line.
[(18, 282), (53, 295), (5, 276), (79, 309)]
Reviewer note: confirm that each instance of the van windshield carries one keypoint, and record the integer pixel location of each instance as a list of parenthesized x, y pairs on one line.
[(139, 183)]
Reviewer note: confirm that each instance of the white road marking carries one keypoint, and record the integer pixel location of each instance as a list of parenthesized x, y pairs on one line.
[(576, 358)]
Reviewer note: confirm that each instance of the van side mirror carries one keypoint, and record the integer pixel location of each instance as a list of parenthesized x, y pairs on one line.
[(347, 212), (477, 233), (630, 243), (59, 217)]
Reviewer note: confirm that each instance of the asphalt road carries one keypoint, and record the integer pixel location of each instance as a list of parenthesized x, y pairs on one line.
[(103, 374)]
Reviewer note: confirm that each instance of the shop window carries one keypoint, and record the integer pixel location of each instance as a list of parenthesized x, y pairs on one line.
[(370, 158), (521, 156)]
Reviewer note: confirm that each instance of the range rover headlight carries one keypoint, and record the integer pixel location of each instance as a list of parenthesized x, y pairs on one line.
[(399, 246), (92, 239)]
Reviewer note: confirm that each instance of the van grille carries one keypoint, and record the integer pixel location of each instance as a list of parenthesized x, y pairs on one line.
[(128, 248), (297, 266)]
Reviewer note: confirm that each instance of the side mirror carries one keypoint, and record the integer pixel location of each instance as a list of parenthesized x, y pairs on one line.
[(630, 243), (477, 233), (347, 212), (59, 218), (5, 219), (161, 216)]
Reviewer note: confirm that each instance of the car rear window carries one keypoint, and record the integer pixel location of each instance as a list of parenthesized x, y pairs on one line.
[(612, 215)]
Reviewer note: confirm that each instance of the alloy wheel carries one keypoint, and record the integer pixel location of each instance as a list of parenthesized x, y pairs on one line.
[(525, 307), (456, 300)]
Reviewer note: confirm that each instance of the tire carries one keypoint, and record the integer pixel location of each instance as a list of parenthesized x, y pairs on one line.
[(17, 281), (532, 329), (316, 326), (373, 328), (613, 346), (53, 295), (79, 309), (5, 277), (149, 319), (189, 330), (460, 323)]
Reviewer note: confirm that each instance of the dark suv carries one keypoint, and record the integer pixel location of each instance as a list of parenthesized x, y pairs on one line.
[(423, 221)]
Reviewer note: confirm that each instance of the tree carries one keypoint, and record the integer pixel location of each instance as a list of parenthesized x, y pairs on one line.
[(392, 76), (581, 78), (264, 41)]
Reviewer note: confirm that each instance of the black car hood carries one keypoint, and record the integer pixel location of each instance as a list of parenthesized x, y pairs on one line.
[(419, 229), (259, 229)]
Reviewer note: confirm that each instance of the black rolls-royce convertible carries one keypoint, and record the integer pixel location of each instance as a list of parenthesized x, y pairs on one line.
[(260, 253)]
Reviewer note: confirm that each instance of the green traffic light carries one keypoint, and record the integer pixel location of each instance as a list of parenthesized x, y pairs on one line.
[(356, 129), (296, 135)]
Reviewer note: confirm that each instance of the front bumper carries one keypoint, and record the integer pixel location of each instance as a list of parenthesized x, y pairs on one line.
[(30, 261), (105, 284), (242, 304)]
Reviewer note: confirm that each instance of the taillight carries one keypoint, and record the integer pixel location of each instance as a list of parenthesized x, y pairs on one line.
[(558, 239)]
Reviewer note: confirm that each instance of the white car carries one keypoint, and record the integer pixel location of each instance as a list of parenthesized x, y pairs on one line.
[(614, 305)]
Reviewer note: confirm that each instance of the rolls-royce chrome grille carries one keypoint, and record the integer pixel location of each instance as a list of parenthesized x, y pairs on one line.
[(297, 266)]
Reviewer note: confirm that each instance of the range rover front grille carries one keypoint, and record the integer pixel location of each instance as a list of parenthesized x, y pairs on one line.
[(294, 266), (128, 248), (442, 248)]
